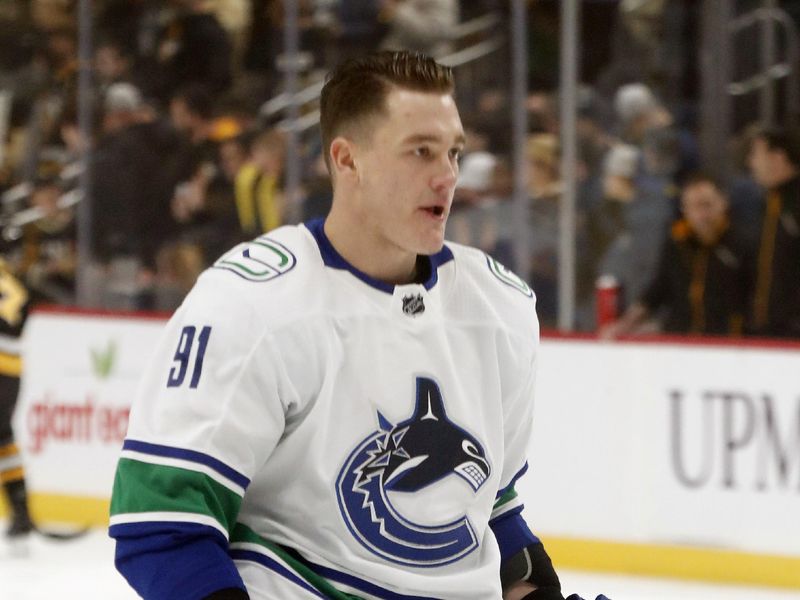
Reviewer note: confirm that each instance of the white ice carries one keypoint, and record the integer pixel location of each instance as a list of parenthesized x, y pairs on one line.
[(83, 569)]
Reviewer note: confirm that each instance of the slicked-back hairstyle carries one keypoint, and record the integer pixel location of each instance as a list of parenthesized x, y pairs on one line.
[(357, 88), (786, 139)]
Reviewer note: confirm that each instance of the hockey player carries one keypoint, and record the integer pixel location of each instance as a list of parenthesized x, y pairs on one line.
[(342, 409), (13, 311)]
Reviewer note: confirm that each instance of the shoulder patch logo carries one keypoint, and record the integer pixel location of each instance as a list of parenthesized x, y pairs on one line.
[(407, 457), (508, 277), (262, 259), (413, 305)]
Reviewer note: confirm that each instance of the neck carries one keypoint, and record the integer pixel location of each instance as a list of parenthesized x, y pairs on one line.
[(368, 251), (712, 235)]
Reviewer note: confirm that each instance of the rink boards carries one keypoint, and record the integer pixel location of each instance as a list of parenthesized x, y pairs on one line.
[(666, 458)]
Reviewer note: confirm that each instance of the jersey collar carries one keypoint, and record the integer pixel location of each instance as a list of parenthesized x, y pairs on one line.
[(332, 258)]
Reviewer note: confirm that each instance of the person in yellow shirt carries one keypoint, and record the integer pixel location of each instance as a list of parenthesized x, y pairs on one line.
[(259, 194)]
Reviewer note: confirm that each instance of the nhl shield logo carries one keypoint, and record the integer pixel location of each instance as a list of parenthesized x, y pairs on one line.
[(413, 305)]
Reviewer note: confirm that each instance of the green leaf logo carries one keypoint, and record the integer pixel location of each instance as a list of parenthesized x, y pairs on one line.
[(103, 360)]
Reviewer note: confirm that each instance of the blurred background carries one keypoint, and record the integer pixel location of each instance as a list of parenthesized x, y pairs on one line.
[(142, 138)]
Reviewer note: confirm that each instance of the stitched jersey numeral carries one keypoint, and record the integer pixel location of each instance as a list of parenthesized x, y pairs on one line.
[(183, 356)]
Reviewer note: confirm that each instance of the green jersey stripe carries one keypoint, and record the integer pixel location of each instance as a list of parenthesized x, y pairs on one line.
[(184, 464), (147, 488), (244, 537), (505, 498)]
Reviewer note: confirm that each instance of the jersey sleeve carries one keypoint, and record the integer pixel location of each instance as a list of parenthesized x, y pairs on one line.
[(209, 411), (508, 525)]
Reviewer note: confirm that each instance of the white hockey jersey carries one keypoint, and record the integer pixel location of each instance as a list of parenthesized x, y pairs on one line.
[(349, 437)]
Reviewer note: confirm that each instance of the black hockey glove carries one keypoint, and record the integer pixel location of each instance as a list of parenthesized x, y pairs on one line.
[(545, 594), (550, 594), (531, 564)]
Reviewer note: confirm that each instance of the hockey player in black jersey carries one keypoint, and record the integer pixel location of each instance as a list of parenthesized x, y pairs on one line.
[(13, 312)]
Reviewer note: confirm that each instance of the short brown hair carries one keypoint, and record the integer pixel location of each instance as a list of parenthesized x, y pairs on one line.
[(782, 139), (698, 177), (358, 87)]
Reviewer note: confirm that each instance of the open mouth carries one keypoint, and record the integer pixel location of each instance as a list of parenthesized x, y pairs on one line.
[(436, 211)]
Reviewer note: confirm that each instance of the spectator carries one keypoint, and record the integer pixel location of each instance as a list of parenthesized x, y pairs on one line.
[(194, 49), (117, 186), (130, 196), (318, 193), (544, 189), (419, 25), (648, 45), (123, 23), (626, 229), (702, 280), (17, 36), (234, 16), (264, 41), (51, 14), (48, 253), (645, 121), (746, 195), (203, 196), (469, 220), (359, 28), (191, 114), (112, 64), (774, 160), (259, 183)]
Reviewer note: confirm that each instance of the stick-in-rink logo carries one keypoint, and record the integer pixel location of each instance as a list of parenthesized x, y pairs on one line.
[(408, 457)]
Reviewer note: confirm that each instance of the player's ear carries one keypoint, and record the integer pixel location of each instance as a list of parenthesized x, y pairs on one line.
[(343, 157)]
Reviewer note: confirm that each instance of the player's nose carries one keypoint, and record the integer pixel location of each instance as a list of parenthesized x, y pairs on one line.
[(444, 180)]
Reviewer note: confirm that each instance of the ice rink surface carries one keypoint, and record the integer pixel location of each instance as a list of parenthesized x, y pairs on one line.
[(83, 570)]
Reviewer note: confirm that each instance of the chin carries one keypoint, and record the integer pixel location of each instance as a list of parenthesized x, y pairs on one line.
[(431, 246)]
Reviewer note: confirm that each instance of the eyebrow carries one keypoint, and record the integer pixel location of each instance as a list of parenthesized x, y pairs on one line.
[(424, 137)]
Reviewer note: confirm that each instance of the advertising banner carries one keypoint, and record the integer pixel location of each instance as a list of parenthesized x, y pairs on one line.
[(672, 444), (79, 376)]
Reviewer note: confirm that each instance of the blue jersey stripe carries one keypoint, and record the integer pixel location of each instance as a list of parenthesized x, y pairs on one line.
[(513, 511), (512, 534), (514, 479), (189, 455), (360, 584), (147, 528), (332, 258), (275, 566)]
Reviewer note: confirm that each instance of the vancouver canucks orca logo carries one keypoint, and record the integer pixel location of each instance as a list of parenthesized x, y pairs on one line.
[(406, 458)]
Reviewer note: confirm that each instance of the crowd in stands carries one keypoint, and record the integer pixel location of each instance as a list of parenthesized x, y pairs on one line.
[(185, 161)]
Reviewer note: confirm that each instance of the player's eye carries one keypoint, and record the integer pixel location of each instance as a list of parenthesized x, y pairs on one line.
[(422, 151), (455, 154)]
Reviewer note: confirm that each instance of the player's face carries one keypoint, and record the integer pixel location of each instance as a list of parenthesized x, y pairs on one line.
[(409, 169)]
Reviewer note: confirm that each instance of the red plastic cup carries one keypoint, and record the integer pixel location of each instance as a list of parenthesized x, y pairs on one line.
[(607, 291)]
